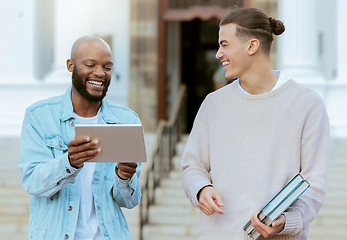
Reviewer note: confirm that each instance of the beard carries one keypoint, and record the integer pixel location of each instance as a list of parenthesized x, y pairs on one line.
[(81, 87)]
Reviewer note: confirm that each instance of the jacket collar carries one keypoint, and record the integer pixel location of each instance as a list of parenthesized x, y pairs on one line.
[(67, 109)]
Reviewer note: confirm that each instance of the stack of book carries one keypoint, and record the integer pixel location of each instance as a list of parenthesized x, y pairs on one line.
[(297, 186)]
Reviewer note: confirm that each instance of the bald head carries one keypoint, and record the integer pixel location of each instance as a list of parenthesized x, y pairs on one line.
[(88, 42), (91, 66)]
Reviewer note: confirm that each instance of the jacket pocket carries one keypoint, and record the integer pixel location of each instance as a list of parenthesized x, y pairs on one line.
[(57, 145)]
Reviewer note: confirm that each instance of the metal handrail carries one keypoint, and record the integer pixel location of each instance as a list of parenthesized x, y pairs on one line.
[(160, 161)]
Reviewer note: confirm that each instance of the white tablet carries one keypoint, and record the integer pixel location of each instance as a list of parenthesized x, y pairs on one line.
[(118, 142)]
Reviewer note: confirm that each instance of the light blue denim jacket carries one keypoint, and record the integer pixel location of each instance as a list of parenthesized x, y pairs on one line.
[(54, 186)]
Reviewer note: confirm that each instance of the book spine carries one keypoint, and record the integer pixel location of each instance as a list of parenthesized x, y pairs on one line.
[(279, 204), (282, 194), (289, 200)]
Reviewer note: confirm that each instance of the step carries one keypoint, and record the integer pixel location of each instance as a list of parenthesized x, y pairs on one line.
[(11, 228), (173, 201), (156, 237), (162, 210), (169, 193), (170, 230), (174, 219), (171, 183), (14, 236)]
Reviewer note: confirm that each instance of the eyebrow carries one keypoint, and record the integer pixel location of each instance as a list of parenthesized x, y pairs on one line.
[(92, 60), (223, 41)]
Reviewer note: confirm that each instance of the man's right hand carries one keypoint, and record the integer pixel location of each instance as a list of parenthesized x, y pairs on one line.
[(81, 150), (210, 201)]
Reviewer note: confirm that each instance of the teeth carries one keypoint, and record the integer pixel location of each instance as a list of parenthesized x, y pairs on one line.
[(95, 83), (225, 63)]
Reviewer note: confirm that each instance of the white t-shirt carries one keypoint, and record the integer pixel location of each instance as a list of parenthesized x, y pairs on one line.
[(87, 227), (282, 78)]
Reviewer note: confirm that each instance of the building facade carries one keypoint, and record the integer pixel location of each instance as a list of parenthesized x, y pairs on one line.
[(159, 44)]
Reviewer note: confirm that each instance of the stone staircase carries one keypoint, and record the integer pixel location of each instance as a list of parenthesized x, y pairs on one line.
[(172, 217), (14, 201), (331, 223)]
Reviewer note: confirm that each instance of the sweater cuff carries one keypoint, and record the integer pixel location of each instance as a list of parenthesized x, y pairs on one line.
[(197, 186), (294, 224)]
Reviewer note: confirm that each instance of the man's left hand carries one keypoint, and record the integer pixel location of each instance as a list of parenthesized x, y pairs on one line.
[(126, 170), (268, 231)]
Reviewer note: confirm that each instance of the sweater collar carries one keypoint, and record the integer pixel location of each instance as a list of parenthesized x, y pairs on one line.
[(270, 94), (282, 78)]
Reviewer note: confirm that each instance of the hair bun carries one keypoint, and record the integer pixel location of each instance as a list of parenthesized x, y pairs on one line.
[(276, 26)]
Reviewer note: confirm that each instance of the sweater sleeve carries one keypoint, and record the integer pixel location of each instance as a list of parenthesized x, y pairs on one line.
[(195, 163), (314, 156)]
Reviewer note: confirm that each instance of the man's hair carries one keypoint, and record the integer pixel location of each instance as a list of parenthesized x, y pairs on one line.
[(253, 23)]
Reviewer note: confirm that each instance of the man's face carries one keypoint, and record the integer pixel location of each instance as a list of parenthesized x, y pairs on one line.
[(232, 52), (81, 86), (92, 69)]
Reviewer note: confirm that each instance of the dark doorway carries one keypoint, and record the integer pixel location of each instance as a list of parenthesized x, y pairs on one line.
[(199, 46)]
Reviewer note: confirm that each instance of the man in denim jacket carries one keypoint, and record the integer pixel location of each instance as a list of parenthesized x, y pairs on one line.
[(71, 199)]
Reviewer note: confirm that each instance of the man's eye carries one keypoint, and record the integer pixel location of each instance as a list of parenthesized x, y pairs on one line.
[(108, 68), (89, 65)]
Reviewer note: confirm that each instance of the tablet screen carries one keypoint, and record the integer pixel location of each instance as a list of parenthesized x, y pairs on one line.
[(118, 142)]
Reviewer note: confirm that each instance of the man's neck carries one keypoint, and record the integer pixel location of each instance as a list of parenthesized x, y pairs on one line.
[(83, 107), (259, 79)]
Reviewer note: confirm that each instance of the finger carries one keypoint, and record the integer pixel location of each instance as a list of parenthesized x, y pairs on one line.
[(83, 147), (80, 162), (259, 226), (127, 165), (124, 175), (127, 168), (279, 223), (205, 210), (218, 199), (78, 141), (130, 164), (82, 156), (213, 206)]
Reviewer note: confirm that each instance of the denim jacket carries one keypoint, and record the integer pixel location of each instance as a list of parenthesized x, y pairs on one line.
[(54, 186)]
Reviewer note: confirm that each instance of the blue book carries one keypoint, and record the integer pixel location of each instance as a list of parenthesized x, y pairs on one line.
[(297, 186)]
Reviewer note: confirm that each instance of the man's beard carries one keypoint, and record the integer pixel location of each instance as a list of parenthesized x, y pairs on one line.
[(81, 88)]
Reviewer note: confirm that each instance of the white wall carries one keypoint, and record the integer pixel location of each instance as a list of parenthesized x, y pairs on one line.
[(115, 22), (311, 51), (17, 28), (33, 63)]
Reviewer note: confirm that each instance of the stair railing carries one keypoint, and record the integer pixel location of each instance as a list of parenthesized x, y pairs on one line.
[(160, 161)]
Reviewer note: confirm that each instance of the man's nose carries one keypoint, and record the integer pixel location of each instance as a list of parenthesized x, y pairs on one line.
[(99, 71), (219, 54)]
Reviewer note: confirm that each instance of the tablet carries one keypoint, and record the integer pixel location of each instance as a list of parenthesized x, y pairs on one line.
[(118, 142)]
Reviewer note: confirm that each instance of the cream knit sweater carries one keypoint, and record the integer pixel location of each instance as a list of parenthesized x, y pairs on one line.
[(249, 147)]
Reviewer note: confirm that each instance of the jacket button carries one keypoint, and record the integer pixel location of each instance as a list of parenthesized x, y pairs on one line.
[(60, 145), (68, 170), (72, 123), (66, 236), (69, 208)]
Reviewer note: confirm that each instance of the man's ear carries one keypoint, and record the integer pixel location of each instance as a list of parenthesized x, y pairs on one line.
[(253, 46), (70, 65)]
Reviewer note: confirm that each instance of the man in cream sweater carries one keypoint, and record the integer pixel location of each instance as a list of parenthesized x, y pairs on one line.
[(254, 135)]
